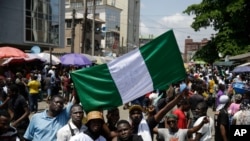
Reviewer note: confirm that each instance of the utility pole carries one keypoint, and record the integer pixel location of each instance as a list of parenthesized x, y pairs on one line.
[(93, 30), (73, 31), (84, 26)]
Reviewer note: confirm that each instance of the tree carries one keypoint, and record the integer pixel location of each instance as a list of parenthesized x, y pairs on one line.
[(208, 53), (231, 20)]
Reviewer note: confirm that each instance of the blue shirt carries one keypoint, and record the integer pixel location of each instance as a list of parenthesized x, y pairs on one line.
[(44, 128)]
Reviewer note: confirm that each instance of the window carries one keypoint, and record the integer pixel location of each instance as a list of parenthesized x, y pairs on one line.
[(68, 42), (42, 21), (68, 24)]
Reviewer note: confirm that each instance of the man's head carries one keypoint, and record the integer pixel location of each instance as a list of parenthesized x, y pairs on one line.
[(95, 121), (184, 104), (124, 130), (4, 121), (2, 81), (201, 109), (76, 114), (12, 90), (171, 121), (56, 104), (135, 114), (113, 116)]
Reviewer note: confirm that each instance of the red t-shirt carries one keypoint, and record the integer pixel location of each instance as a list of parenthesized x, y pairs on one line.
[(182, 119)]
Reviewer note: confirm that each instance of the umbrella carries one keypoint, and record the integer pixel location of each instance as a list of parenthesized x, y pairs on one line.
[(90, 57), (18, 60), (245, 64), (241, 69), (75, 59), (7, 52), (46, 56)]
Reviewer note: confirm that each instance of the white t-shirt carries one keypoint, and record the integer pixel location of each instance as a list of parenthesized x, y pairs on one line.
[(64, 134), (85, 137), (180, 135), (206, 130)]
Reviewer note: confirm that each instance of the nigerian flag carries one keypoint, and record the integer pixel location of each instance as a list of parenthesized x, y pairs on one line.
[(155, 65)]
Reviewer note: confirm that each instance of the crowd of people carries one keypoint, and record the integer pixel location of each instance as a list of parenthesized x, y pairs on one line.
[(178, 113)]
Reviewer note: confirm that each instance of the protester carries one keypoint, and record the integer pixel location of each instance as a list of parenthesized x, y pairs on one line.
[(180, 112), (143, 127), (18, 109), (94, 123), (3, 94), (74, 126), (124, 131), (113, 116), (66, 86), (44, 125), (47, 86), (221, 91), (242, 117), (205, 132), (173, 132), (34, 86), (7, 132), (234, 106), (21, 83), (222, 119)]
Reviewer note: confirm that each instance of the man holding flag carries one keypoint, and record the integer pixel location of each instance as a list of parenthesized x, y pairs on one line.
[(155, 65)]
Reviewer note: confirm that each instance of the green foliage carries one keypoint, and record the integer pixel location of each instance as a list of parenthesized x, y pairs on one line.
[(229, 18), (208, 53)]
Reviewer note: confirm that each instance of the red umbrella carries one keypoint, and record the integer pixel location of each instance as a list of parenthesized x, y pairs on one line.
[(7, 52)]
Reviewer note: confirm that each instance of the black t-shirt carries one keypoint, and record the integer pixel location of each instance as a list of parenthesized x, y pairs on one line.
[(223, 119), (133, 138), (17, 105)]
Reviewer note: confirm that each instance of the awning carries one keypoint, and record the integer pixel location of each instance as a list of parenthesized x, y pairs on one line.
[(223, 63)]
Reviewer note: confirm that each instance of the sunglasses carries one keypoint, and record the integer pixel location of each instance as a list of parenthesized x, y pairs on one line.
[(171, 121)]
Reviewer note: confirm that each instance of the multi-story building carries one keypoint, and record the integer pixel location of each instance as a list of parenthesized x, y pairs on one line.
[(130, 21), (107, 26), (191, 48), (28, 23)]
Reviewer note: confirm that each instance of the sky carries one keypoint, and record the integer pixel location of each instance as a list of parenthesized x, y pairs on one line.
[(159, 16)]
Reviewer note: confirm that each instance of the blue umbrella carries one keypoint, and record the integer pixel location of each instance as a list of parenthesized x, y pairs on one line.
[(75, 59), (241, 69)]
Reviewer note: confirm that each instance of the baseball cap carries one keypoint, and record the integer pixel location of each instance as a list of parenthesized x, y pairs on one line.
[(223, 100)]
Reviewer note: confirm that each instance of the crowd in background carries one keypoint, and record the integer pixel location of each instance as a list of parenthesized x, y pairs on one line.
[(179, 112)]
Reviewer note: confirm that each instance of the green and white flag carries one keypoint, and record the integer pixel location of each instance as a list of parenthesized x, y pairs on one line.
[(155, 65)]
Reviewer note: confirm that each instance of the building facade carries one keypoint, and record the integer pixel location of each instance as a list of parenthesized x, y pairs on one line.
[(191, 47), (107, 26), (30, 23), (130, 21)]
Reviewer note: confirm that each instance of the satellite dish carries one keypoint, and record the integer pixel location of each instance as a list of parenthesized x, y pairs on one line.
[(35, 49)]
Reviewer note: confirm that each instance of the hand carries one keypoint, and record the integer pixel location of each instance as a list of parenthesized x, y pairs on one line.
[(151, 109), (13, 124), (205, 120)]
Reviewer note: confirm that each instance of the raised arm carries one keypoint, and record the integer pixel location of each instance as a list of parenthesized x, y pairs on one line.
[(198, 127), (160, 114)]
